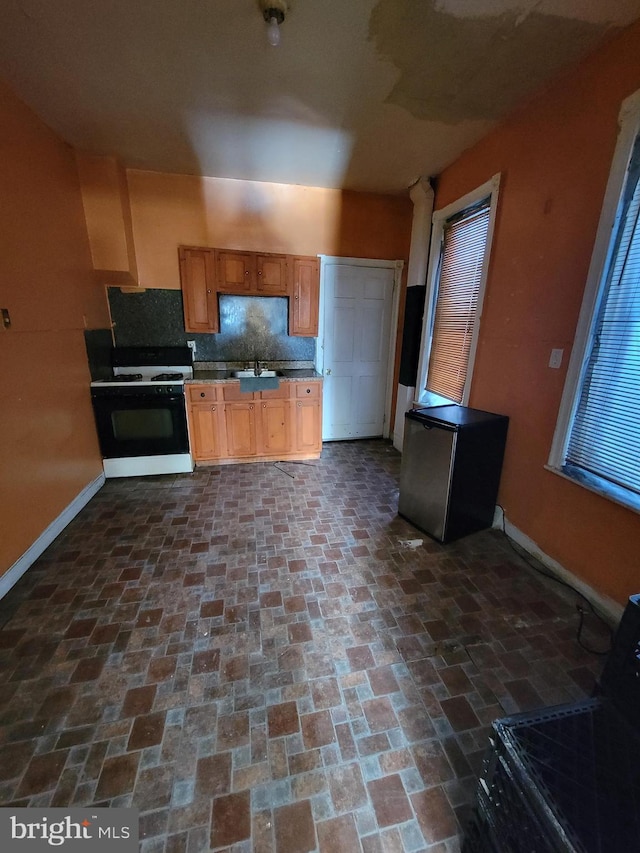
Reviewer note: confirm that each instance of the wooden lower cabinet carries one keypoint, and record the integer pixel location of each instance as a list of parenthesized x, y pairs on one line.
[(233, 427), (307, 430), (307, 412), (275, 427), (207, 431), (240, 422)]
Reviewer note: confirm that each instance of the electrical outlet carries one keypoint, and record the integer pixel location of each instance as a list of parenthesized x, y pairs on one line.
[(192, 347), (555, 359)]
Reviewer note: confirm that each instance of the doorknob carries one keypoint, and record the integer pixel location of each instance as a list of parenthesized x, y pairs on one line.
[(328, 371)]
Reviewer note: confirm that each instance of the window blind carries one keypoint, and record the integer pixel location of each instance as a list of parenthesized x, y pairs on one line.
[(605, 435), (461, 263)]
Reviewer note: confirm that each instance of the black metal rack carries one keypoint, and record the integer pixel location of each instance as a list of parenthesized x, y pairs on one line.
[(566, 779)]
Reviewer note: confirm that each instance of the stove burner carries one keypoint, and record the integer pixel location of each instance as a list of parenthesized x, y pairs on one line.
[(167, 377), (127, 377)]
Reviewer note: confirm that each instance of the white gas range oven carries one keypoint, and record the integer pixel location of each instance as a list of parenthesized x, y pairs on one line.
[(140, 412)]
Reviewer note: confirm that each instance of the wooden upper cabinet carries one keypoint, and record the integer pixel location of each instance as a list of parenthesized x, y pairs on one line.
[(235, 272), (304, 297), (206, 272), (250, 273), (271, 275), (197, 272)]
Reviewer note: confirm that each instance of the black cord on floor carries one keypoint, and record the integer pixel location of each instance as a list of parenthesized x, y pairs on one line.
[(581, 611), (292, 462)]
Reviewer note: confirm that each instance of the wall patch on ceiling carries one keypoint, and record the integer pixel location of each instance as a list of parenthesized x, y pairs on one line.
[(473, 67)]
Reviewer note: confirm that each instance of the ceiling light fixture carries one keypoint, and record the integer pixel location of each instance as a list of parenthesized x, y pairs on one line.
[(273, 12)]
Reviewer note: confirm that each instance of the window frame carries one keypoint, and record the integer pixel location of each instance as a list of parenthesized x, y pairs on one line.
[(490, 189), (629, 123)]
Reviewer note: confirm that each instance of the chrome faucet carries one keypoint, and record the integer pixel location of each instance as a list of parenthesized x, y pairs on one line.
[(256, 368)]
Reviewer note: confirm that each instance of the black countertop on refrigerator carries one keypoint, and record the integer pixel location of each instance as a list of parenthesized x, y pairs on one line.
[(452, 416)]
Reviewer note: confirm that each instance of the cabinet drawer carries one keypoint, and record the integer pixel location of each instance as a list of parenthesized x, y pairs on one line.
[(281, 393), (231, 391), (308, 390), (202, 393)]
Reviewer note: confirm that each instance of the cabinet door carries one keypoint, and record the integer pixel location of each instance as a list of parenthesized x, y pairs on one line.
[(235, 272), (271, 275), (207, 431), (307, 429), (275, 436), (240, 423), (197, 274), (304, 298)]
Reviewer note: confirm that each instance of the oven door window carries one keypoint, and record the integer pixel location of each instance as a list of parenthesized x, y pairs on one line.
[(136, 424), (139, 426)]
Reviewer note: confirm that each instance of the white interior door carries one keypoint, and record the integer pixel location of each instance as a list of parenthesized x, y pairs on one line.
[(357, 336)]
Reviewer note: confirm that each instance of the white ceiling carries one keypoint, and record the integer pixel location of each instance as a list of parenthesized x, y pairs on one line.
[(362, 94)]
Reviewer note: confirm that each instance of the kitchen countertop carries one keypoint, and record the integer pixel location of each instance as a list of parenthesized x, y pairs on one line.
[(217, 372)]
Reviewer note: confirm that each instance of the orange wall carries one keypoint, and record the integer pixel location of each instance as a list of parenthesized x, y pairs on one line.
[(173, 210), (48, 447), (554, 156)]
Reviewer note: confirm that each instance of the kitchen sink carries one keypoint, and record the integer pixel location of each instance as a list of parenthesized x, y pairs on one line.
[(251, 374)]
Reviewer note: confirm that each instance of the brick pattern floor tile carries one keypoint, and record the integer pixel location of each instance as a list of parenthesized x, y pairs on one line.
[(262, 659)]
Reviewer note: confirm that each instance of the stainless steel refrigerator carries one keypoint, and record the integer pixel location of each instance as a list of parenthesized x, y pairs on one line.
[(451, 465)]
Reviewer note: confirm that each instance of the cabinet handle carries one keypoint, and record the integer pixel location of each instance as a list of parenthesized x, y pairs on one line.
[(296, 296), (264, 405), (308, 390), (202, 394), (246, 272), (299, 405), (259, 272), (208, 291), (251, 408)]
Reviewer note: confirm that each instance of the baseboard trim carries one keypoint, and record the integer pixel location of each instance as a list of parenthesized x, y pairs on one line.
[(15, 572), (610, 609)]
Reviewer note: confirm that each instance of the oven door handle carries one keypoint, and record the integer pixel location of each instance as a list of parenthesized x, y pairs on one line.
[(145, 398), (151, 398)]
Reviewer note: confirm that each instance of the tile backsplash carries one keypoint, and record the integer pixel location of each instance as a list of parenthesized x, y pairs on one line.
[(99, 344), (250, 326)]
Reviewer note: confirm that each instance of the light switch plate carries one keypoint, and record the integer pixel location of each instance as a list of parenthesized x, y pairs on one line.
[(555, 359)]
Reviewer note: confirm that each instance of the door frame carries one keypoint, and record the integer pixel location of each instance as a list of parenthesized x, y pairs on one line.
[(327, 261)]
